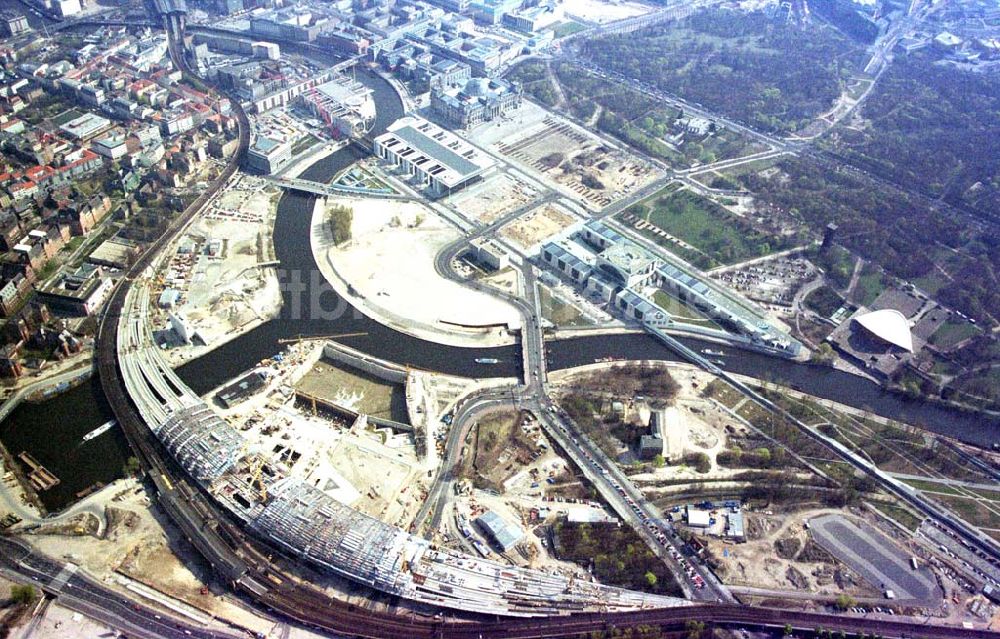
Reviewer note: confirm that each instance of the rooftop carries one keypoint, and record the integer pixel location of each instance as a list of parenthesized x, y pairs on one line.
[(85, 126), (890, 326), (345, 91), (502, 532), (483, 90), (697, 517), (628, 257), (440, 153)]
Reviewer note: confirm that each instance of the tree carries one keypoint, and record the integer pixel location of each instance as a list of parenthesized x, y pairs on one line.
[(702, 463), (824, 354), (650, 579), (132, 467), (764, 455), (25, 594), (658, 461), (845, 601), (694, 629), (340, 219), (788, 630)]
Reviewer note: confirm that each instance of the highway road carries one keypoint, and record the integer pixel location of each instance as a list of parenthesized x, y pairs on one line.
[(250, 570), (628, 502), (85, 595), (78, 591), (464, 418)]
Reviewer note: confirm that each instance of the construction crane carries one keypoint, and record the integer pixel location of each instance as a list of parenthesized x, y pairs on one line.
[(255, 462), (304, 338), (257, 476)]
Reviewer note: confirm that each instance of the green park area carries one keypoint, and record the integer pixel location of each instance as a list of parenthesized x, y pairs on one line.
[(716, 235), (569, 27)]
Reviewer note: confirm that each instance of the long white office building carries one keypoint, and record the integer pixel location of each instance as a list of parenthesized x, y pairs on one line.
[(438, 159)]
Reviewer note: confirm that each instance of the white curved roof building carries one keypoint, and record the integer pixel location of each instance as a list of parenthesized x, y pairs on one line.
[(889, 325)]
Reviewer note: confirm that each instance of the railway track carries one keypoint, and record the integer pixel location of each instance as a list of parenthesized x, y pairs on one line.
[(246, 564)]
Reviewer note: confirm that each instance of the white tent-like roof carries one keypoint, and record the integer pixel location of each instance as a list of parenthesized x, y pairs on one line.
[(888, 325)]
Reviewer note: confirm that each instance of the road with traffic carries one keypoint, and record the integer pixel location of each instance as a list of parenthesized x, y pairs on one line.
[(251, 571), (696, 581), (76, 590)]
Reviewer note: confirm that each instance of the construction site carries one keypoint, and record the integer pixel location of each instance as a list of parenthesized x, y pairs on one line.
[(535, 227), (334, 383), (339, 429), (220, 280), (296, 499), (586, 167), (780, 555), (494, 197), (761, 513), (303, 509), (510, 475)]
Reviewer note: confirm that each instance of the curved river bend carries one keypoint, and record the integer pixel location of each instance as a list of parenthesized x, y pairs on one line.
[(52, 431)]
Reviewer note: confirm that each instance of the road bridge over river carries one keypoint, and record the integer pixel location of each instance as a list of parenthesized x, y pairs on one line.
[(236, 558), (326, 190)]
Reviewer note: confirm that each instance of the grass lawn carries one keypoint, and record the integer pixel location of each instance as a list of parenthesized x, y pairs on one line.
[(944, 367), (559, 312), (972, 510), (824, 300), (982, 384), (752, 412), (74, 244), (952, 332), (725, 145), (65, 117), (931, 283), (678, 309), (492, 436), (702, 224), (569, 27), (930, 486), (900, 515), (723, 393), (304, 144), (753, 166), (869, 286), (993, 495)]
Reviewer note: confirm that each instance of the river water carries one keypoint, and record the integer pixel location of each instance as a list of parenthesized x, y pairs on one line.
[(52, 431)]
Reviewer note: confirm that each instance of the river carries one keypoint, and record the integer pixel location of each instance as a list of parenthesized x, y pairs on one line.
[(52, 431)]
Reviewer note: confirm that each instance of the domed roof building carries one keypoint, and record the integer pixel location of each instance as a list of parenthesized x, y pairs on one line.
[(888, 325), (477, 100)]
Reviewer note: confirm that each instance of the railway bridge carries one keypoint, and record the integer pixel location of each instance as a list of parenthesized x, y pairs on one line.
[(141, 388)]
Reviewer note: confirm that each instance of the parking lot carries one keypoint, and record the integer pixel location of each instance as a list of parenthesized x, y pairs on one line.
[(877, 559)]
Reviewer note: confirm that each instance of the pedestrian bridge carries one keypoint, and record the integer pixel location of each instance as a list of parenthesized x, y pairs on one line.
[(319, 188)]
